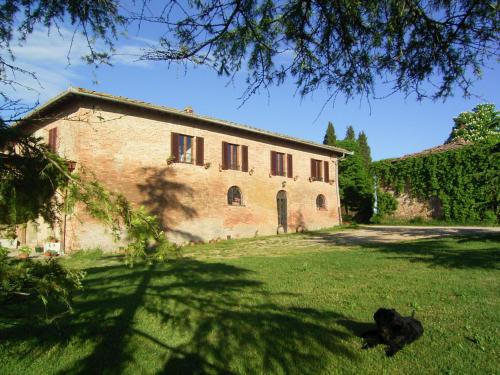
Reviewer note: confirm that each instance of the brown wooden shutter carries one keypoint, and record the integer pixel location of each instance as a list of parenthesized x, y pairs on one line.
[(174, 142), (289, 166), (224, 155), (200, 151), (273, 163), (313, 174), (244, 158), (53, 139), (327, 171), (51, 132)]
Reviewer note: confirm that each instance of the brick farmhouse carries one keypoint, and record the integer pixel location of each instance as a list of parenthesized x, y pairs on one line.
[(206, 179)]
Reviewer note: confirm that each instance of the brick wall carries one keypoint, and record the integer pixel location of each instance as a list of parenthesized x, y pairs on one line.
[(128, 148)]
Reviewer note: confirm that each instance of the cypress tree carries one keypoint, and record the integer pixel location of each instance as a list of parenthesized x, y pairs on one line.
[(364, 149), (330, 137), (355, 184), (350, 135)]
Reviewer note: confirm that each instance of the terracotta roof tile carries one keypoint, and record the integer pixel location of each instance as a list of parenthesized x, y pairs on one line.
[(434, 150), (127, 101)]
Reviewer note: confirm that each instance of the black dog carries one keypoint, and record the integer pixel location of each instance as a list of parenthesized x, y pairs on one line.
[(392, 330)]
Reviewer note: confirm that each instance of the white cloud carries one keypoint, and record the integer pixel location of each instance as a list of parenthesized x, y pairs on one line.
[(56, 59), (42, 48), (48, 83)]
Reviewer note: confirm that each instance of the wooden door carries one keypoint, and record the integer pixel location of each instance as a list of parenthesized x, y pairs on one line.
[(282, 209)]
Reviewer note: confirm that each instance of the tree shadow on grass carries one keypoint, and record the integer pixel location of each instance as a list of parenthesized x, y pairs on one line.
[(187, 317), (471, 250)]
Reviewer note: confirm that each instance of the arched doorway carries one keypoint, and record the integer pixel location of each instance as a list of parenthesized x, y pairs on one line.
[(282, 209)]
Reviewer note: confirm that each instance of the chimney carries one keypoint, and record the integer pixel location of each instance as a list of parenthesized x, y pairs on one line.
[(188, 109)]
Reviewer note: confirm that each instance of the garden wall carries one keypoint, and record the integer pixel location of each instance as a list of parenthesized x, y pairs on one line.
[(411, 208), (460, 184)]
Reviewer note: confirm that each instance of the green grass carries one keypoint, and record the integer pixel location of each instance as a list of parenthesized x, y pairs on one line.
[(286, 305)]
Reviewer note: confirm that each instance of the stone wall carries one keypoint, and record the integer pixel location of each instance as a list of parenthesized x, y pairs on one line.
[(411, 208), (128, 148)]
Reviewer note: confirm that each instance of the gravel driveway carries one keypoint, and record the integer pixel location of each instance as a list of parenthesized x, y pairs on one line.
[(390, 234)]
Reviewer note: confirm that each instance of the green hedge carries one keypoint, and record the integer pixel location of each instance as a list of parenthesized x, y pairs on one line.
[(466, 180)]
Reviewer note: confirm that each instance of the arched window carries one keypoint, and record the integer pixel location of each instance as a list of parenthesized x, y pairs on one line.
[(234, 197), (321, 202)]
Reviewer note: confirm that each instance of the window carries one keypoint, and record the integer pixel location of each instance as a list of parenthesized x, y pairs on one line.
[(185, 149), (316, 170), (234, 157), (182, 148), (320, 202), (280, 167), (234, 196), (53, 139)]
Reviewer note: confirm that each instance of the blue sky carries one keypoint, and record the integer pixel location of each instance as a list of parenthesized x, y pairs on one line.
[(395, 126)]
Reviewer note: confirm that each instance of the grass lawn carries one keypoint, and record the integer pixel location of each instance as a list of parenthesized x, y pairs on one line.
[(286, 305)]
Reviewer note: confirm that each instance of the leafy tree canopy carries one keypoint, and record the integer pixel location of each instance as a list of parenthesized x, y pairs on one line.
[(426, 47), (32, 184), (355, 183), (355, 179), (32, 177), (350, 135), (364, 148), (97, 20), (330, 137), (480, 124)]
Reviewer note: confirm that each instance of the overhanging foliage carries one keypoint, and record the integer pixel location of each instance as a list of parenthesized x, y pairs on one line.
[(35, 182)]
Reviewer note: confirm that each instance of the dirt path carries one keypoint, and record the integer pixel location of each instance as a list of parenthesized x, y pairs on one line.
[(390, 234), (345, 238)]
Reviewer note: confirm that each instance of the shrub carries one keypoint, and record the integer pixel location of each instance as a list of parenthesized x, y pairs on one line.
[(387, 204), (489, 217), (44, 283), (417, 220), (8, 231), (25, 250)]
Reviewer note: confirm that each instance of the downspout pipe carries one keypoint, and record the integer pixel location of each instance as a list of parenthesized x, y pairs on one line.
[(338, 189)]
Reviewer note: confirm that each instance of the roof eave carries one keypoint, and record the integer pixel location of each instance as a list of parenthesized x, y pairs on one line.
[(73, 91)]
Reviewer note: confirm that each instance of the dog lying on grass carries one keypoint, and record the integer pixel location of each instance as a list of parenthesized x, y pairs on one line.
[(392, 330)]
